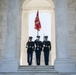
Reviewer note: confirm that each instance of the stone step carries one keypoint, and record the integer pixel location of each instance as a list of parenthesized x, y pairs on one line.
[(33, 73), (36, 69)]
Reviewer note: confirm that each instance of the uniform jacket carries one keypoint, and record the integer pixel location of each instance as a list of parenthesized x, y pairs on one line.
[(30, 46), (46, 45), (38, 45)]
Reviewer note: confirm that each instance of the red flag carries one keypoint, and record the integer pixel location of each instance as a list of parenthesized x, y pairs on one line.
[(37, 22)]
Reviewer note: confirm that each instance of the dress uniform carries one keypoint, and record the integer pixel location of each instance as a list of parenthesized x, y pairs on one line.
[(38, 49), (46, 49), (30, 49)]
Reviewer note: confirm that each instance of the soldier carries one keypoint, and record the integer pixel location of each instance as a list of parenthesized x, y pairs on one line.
[(46, 49), (30, 49), (38, 49)]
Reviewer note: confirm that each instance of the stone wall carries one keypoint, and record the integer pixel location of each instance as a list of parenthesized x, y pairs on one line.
[(3, 24), (72, 29)]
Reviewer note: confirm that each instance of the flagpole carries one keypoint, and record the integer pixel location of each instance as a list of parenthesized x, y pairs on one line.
[(37, 32)]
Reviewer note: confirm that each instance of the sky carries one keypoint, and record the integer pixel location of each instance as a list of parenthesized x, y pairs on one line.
[(45, 19)]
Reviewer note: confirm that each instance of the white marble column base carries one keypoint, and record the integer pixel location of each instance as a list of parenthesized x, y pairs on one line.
[(64, 65), (9, 65)]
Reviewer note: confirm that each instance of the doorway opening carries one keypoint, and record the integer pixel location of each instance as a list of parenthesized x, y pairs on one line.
[(47, 19)]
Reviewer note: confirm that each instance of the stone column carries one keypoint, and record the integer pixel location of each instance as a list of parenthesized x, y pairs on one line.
[(24, 37), (10, 60), (53, 41), (62, 62)]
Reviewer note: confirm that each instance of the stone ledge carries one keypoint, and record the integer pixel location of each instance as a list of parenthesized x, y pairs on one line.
[(24, 73)]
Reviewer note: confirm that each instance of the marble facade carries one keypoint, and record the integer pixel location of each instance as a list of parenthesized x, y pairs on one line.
[(10, 30)]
